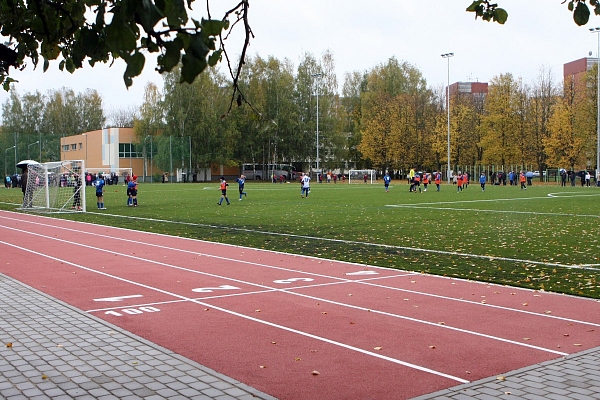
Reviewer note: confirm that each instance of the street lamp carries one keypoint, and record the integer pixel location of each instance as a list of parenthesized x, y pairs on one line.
[(447, 56), (5, 156), (29, 145), (318, 76), (597, 30)]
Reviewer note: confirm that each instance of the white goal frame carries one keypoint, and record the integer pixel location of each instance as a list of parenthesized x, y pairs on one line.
[(55, 186), (358, 176)]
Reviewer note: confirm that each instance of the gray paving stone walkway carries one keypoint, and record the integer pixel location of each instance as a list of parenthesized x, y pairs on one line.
[(576, 376), (59, 352), (50, 350)]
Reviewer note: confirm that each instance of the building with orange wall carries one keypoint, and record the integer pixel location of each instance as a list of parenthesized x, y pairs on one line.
[(113, 148)]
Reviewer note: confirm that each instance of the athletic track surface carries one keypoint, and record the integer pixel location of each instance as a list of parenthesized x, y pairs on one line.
[(295, 327)]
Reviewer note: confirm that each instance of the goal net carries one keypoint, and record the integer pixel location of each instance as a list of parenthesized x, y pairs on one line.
[(362, 176), (112, 176), (55, 186)]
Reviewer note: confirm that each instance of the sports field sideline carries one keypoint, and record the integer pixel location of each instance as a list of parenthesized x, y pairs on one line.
[(544, 237)]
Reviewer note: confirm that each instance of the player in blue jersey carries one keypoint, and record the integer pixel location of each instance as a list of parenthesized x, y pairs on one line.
[(132, 192), (482, 180), (386, 181), (241, 182), (99, 184)]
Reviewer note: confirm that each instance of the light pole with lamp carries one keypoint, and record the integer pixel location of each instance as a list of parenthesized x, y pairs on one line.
[(29, 145), (318, 76), (5, 156), (447, 56), (597, 30)]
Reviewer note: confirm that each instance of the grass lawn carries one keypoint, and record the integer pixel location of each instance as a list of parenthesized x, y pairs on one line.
[(545, 237)]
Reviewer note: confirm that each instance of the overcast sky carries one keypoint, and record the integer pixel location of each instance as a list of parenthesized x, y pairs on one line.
[(538, 33)]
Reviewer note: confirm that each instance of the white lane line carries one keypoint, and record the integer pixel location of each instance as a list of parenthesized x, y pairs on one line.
[(415, 249), (298, 294), (342, 280), (285, 328)]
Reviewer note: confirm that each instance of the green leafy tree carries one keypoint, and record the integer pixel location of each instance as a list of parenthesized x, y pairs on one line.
[(489, 10), (500, 124), (76, 31)]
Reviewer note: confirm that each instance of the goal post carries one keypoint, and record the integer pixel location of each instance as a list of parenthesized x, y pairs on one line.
[(55, 186), (362, 176)]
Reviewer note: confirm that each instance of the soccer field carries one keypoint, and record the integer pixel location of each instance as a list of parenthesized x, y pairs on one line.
[(545, 237)]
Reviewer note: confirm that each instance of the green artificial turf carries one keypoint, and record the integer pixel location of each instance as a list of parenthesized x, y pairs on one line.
[(545, 237)]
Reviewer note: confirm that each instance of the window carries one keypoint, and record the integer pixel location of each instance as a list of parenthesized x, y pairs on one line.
[(128, 150), (73, 146), (65, 147), (80, 146)]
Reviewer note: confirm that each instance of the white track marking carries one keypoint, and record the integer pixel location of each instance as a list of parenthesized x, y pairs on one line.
[(282, 327), (387, 246), (281, 290), (340, 280)]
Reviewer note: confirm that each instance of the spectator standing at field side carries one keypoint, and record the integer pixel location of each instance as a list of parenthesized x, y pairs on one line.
[(386, 181), (305, 182), (223, 188), (241, 181), (77, 193), (588, 179), (482, 180)]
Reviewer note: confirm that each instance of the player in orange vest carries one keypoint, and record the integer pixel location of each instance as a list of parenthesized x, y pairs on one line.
[(224, 185)]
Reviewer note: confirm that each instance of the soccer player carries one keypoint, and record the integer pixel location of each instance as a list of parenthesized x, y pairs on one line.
[(241, 182), (417, 181), (386, 181), (425, 181), (224, 185), (482, 180), (305, 181), (522, 179), (99, 184), (459, 182), (132, 191), (438, 180)]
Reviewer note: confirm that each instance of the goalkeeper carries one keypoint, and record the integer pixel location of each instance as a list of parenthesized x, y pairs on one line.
[(99, 184)]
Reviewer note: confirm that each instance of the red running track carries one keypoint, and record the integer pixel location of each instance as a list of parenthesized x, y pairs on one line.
[(295, 327)]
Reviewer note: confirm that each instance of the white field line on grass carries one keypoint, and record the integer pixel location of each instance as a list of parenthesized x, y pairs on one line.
[(388, 246), (271, 288), (340, 280), (236, 314)]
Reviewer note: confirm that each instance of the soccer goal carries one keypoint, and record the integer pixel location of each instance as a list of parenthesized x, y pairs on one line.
[(55, 186), (362, 176)]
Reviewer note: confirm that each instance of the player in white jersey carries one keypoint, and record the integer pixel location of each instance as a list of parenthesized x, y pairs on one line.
[(305, 181)]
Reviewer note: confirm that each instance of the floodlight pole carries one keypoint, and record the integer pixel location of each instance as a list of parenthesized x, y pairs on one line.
[(447, 56), (29, 145), (5, 156), (318, 76), (597, 30)]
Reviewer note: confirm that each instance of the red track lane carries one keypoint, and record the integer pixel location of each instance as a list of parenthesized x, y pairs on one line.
[(270, 319)]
